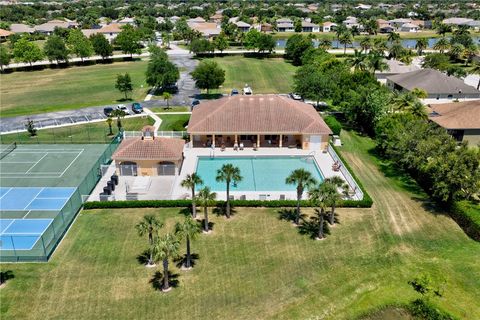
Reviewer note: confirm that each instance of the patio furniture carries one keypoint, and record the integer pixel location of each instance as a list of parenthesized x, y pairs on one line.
[(235, 147), (254, 147), (241, 146), (222, 148)]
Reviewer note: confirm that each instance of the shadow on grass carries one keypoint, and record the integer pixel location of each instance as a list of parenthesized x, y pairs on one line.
[(289, 215), (124, 100), (157, 280), (310, 227), (187, 211), (6, 275), (210, 224), (221, 210), (182, 260), (142, 258)]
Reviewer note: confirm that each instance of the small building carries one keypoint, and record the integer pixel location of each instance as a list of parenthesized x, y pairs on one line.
[(149, 155), (4, 34), (242, 26), (456, 21), (127, 20), (328, 26), (197, 20), (395, 67), (460, 119), (21, 28), (48, 27), (409, 27), (207, 29), (285, 27), (310, 27), (398, 23), (259, 121), (110, 31), (385, 28), (437, 84)]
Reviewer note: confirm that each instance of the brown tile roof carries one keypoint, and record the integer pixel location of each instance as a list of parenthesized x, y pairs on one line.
[(456, 115), (111, 28), (5, 33), (161, 149), (256, 114)]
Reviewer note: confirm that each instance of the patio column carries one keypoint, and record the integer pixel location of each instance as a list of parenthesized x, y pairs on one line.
[(280, 142), (213, 139), (191, 140), (258, 141), (236, 139)]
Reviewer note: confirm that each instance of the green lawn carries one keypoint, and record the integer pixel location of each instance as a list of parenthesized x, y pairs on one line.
[(95, 132), (256, 266), (25, 92), (171, 109), (174, 122), (269, 75)]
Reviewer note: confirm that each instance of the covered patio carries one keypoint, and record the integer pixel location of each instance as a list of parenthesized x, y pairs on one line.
[(247, 140)]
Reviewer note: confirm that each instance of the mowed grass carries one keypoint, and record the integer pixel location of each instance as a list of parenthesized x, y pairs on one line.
[(255, 265), (95, 132), (174, 122), (269, 75), (31, 92)]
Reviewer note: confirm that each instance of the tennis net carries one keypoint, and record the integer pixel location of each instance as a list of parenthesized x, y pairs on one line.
[(6, 151)]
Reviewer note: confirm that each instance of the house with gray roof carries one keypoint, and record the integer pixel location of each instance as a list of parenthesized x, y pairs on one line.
[(395, 67), (21, 28), (437, 84)]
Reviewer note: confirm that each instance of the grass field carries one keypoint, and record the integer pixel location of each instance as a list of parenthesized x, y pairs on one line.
[(95, 132), (256, 266), (174, 122), (272, 75), (25, 93)]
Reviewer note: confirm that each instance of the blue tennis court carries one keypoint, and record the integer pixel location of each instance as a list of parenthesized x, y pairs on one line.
[(33, 198), (21, 234)]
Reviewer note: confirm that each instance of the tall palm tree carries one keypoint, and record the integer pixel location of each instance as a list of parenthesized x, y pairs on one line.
[(187, 230), (318, 195), (456, 51), (443, 29), (345, 39), (376, 62), (418, 110), (358, 60), (334, 196), (166, 247), (190, 181), (228, 174), (406, 56), (206, 198), (395, 51), (365, 43), (421, 45), (303, 179), (150, 225), (469, 53), (167, 96), (393, 37), (339, 30), (442, 45), (325, 44), (475, 69), (403, 101), (380, 46)]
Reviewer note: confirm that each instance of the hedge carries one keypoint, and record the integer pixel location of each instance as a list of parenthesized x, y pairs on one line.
[(366, 197), (333, 124), (235, 203), (467, 215), (424, 310)]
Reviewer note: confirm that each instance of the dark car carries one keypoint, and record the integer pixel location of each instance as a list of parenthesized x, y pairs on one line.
[(195, 102), (171, 88), (234, 92), (108, 111), (137, 107)]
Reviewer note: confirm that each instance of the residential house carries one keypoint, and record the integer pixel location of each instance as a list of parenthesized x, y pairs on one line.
[(385, 28), (395, 67), (259, 120), (363, 6), (149, 155), (328, 26), (21, 28), (4, 34), (285, 27), (409, 27), (207, 29), (126, 20), (437, 84), (48, 27), (243, 26), (110, 31), (460, 119), (457, 21), (197, 20), (351, 22), (174, 19), (310, 27), (217, 18), (398, 23)]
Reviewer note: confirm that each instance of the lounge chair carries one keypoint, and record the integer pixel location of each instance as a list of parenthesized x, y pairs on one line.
[(255, 147), (241, 146), (222, 148), (235, 147)]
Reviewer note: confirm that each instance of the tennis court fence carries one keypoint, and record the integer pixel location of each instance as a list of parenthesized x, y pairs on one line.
[(52, 236)]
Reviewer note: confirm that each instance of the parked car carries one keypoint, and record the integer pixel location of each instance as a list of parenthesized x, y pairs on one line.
[(247, 90), (171, 88), (195, 102), (295, 96), (234, 92), (108, 111), (123, 108), (137, 107)]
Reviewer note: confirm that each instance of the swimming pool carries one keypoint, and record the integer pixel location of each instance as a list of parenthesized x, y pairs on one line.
[(259, 173)]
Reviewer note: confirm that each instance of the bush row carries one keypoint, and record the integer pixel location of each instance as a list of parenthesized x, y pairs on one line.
[(467, 215), (235, 203), (367, 200), (424, 310)]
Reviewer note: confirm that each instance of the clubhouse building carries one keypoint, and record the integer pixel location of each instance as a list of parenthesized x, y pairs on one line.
[(258, 121)]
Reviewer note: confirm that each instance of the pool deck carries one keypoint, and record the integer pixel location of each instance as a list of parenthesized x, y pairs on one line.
[(324, 162)]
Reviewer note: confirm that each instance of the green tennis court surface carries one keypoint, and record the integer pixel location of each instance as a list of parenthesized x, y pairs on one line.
[(42, 187)]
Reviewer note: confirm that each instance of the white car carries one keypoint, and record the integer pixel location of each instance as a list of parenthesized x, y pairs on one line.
[(124, 108), (247, 90)]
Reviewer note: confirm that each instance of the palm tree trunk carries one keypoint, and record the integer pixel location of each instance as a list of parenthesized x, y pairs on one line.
[(332, 215), (345, 49), (165, 274), (478, 85), (205, 225), (228, 200), (150, 242), (320, 225), (194, 208), (188, 262), (299, 197)]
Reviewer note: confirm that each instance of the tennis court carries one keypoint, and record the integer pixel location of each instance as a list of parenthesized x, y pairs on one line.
[(42, 188)]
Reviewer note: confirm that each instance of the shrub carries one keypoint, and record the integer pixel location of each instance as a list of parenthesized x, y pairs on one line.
[(467, 215), (333, 123), (424, 310)]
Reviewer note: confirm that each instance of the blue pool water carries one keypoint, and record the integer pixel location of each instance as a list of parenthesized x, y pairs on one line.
[(259, 173)]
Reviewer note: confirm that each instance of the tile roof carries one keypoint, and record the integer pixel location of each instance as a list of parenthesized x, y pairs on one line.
[(21, 28), (5, 33), (432, 81), (256, 114), (161, 149), (456, 115)]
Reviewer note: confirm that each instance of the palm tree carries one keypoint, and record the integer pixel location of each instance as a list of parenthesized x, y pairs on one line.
[(365, 43), (442, 45), (420, 93), (149, 225), (109, 121), (406, 56), (345, 39), (228, 174), (190, 181), (421, 45), (325, 44), (393, 37), (357, 61), (341, 29), (166, 247), (417, 109), (456, 51), (396, 50), (376, 62), (187, 230), (167, 96), (380, 46), (166, 39), (475, 69), (119, 114), (469, 53), (206, 198), (403, 101), (462, 30), (443, 29), (334, 196), (318, 195), (303, 179)]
